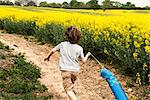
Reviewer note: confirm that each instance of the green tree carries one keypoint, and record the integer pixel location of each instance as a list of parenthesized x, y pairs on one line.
[(6, 2), (117, 4), (129, 5), (74, 3), (43, 4), (65, 5), (1, 2), (59, 5), (17, 3), (81, 5), (147, 8), (93, 4), (31, 3), (106, 4), (54, 5), (22, 2)]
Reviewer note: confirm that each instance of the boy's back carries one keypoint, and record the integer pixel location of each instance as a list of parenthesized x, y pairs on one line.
[(69, 56)]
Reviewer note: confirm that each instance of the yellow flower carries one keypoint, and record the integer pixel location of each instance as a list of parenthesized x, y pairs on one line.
[(147, 49), (147, 42), (105, 51), (136, 44), (138, 79), (135, 55), (149, 77), (147, 36), (140, 38)]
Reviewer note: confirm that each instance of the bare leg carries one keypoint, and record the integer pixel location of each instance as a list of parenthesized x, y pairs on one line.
[(72, 95)]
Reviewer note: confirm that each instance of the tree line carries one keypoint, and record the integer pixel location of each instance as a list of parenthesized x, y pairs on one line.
[(19, 2), (74, 4)]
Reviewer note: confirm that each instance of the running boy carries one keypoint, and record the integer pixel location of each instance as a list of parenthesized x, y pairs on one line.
[(70, 51)]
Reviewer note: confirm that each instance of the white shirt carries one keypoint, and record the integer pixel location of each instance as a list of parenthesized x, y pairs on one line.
[(69, 54)]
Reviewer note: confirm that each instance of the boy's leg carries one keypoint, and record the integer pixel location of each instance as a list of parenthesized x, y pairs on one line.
[(68, 83), (71, 92), (72, 95)]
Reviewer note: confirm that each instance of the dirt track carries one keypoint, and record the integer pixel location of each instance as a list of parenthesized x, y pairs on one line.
[(89, 86)]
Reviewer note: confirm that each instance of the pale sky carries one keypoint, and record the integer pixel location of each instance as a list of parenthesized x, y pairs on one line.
[(138, 3)]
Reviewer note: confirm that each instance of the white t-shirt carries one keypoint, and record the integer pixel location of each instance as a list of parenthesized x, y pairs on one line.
[(69, 54)]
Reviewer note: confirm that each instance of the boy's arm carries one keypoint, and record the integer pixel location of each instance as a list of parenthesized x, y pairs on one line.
[(50, 54), (84, 59)]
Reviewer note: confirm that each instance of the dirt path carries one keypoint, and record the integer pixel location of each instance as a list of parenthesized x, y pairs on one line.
[(88, 86)]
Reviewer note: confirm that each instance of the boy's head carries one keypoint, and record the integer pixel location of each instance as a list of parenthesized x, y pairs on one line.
[(73, 34)]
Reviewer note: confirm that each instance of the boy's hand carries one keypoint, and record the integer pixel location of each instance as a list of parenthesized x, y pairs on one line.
[(46, 59), (89, 54)]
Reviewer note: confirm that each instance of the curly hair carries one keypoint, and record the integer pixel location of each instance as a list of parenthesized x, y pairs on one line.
[(73, 34)]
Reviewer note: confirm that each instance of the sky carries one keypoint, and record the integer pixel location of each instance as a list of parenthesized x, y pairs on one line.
[(138, 3)]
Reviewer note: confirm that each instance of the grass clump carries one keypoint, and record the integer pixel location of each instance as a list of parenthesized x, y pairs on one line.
[(20, 81)]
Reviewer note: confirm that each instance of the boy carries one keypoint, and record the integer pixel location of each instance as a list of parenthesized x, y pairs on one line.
[(70, 51)]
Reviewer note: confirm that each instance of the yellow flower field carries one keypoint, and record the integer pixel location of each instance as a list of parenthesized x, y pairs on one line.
[(118, 29)]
